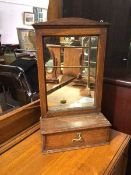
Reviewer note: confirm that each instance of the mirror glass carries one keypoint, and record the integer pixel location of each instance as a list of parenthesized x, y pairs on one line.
[(70, 64), (19, 72)]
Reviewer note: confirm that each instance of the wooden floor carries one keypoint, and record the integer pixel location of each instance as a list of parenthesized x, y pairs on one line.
[(26, 158)]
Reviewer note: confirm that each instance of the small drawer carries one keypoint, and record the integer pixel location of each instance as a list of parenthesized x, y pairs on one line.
[(75, 139)]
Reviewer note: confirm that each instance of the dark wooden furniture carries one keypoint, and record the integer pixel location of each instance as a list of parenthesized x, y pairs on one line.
[(116, 102), (14, 81), (119, 32), (26, 158), (70, 120), (31, 72), (116, 98)]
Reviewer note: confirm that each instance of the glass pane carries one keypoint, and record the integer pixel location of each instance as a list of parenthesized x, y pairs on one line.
[(70, 71)]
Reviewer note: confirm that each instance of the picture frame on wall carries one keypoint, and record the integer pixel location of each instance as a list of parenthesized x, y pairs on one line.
[(39, 14), (26, 38), (28, 18)]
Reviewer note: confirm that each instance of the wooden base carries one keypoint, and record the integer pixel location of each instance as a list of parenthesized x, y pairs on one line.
[(74, 132)]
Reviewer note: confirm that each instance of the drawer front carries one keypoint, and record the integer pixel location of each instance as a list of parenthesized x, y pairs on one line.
[(82, 138)]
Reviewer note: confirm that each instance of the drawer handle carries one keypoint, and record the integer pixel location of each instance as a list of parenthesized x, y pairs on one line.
[(78, 137)]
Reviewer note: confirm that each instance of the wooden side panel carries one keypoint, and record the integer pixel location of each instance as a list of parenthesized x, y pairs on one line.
[(100, 67), (116, 105), (120, 167), (41, 73)]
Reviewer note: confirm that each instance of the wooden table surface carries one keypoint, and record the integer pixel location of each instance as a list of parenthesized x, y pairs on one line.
[(26, 158)]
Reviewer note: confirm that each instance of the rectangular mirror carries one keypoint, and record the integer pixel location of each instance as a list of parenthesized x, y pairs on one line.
[(70, 64)]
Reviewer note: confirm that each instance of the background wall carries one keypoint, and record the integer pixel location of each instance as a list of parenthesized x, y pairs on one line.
[(117, 13), (11, 17)]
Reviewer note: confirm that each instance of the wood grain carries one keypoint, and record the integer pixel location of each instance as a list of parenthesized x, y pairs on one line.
[(26, 158), (55, 52), (73, 122), (18, 120), (72, 57), (64, 141), (74, 131), (66, 22)]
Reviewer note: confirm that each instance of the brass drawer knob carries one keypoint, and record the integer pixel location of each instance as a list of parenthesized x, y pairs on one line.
[(78, 137)]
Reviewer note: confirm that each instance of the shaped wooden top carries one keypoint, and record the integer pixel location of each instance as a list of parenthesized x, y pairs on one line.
[(70, 22)]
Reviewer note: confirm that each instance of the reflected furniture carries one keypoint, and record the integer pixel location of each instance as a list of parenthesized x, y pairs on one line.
[(26, 39), (54, 51), (105, 160), (81, 53), (2, 49), (31, 72), (14, 81), (21, 53), (1, 52), (73, 56), (70, 111)]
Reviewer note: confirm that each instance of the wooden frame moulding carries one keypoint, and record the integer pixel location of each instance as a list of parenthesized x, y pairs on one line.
[(70, 31)]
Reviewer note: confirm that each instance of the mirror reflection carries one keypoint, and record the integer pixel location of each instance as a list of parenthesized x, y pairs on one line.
[(70, 64), (18, 72)]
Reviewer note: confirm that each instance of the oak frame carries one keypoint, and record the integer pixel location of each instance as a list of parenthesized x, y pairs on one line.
[(59, 128), (71, 31)]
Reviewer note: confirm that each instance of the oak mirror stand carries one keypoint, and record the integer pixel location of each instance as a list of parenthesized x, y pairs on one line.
[(70, 55)]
